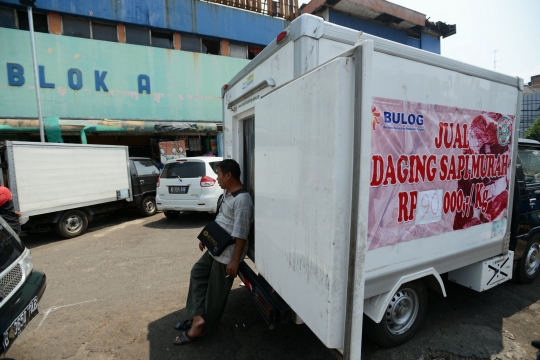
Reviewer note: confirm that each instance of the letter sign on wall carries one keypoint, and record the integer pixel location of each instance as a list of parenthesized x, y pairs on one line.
[(42, 82), (15, 74), (144, 86), (75, 85), (100, 80)]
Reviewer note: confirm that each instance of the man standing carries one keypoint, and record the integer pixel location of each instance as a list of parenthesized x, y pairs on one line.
[(212, 277), (7, 210)]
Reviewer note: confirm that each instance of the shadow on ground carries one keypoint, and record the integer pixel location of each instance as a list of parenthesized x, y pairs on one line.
[(183, 221), (243, 334), (465, 325)]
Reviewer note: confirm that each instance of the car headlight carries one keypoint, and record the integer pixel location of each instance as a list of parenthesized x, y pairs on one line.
[(27, 263)]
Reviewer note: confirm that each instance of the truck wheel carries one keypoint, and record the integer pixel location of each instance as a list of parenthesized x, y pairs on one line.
[(171, 214), (403, 317), (528, 266), (148, 206), (73, 223)]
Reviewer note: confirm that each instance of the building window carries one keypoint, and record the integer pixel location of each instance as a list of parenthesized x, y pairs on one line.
[(137, 36), (211, 46), (76, 27), (190, 43), (105, 32), (162, 39), (7, 18), (253, 51), (238, 51), (40, 21)]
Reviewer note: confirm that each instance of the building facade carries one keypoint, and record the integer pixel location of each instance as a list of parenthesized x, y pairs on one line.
[(129, 73), (139, 73), (384, 19)]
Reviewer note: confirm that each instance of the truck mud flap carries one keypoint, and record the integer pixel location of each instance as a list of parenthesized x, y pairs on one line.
[(271, 306)]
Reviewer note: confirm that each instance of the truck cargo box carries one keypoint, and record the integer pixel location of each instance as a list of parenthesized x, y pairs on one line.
[(372, 165), (49, 177)]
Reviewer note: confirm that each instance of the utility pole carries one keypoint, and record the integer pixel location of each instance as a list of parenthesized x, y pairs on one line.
[(495, 59), (29, 5)]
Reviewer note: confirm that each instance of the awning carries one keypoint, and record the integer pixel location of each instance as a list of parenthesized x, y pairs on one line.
[(97, 126), (177, 126)]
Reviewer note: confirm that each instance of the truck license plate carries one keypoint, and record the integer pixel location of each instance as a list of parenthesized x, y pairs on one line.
[(178, 189), (19, 324)]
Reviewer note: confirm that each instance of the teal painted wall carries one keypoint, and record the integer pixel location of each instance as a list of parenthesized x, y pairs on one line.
[(185, 86)]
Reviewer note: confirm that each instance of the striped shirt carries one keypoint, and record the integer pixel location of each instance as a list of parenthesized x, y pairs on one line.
[(235, 216)]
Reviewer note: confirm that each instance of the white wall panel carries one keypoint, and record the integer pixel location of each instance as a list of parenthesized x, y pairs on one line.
[(303, 179), (51, 176)]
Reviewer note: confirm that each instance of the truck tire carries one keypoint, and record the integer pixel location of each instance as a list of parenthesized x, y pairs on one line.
[(148, 206), (528, 266), (403, 317), (72, 223), (171, 214)]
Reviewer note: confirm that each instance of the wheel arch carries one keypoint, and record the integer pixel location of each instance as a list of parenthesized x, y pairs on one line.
[(88, 212), (375, 306)]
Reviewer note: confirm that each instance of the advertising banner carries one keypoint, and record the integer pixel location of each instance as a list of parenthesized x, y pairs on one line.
[(436, 169), (172, 150)]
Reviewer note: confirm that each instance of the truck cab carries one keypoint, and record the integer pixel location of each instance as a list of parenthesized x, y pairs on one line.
[(525, 240), (144, 174)]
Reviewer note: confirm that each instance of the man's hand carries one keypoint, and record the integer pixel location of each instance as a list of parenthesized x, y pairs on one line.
[(201, 246), (232, 268), (18, 213)]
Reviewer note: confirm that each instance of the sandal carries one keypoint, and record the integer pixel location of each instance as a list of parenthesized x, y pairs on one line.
[(184, 325), (185, 339)]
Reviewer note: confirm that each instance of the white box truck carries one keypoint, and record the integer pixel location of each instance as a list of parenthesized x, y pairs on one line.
[(65, 185), (375, 168)]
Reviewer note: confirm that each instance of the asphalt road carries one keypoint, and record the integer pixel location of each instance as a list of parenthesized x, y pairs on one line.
[(116, 292)]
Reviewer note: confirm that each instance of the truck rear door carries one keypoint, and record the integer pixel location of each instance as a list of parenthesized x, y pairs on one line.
[(303, 190)]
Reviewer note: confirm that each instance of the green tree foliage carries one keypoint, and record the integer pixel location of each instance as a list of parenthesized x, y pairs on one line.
[(534, 131)]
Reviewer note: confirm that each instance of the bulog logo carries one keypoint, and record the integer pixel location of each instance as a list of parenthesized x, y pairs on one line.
[(396, 118), (503, 131), (211, 239)]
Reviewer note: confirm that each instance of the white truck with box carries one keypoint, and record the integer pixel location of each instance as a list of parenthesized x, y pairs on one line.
[(65, 185), (375, 168)]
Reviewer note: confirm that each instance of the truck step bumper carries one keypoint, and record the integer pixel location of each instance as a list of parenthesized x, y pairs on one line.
[(271, 306)]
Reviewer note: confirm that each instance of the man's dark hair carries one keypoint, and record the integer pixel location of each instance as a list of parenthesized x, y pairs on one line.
[(230, 166)]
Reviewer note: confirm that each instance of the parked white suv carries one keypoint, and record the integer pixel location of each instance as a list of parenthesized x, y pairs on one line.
[(188, 184)]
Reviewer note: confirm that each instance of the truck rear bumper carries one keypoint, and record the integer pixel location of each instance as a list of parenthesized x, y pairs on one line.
[(202, 204)]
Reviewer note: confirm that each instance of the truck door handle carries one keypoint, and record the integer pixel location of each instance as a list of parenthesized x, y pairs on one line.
[(142, 181)]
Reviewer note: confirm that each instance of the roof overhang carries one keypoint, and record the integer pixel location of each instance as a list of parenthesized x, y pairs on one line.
[(383, 12)]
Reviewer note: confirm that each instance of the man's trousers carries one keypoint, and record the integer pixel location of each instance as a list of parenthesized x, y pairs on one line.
[(208, 291)]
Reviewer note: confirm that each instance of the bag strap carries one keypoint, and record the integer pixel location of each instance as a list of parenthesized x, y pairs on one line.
[(241, 191)]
